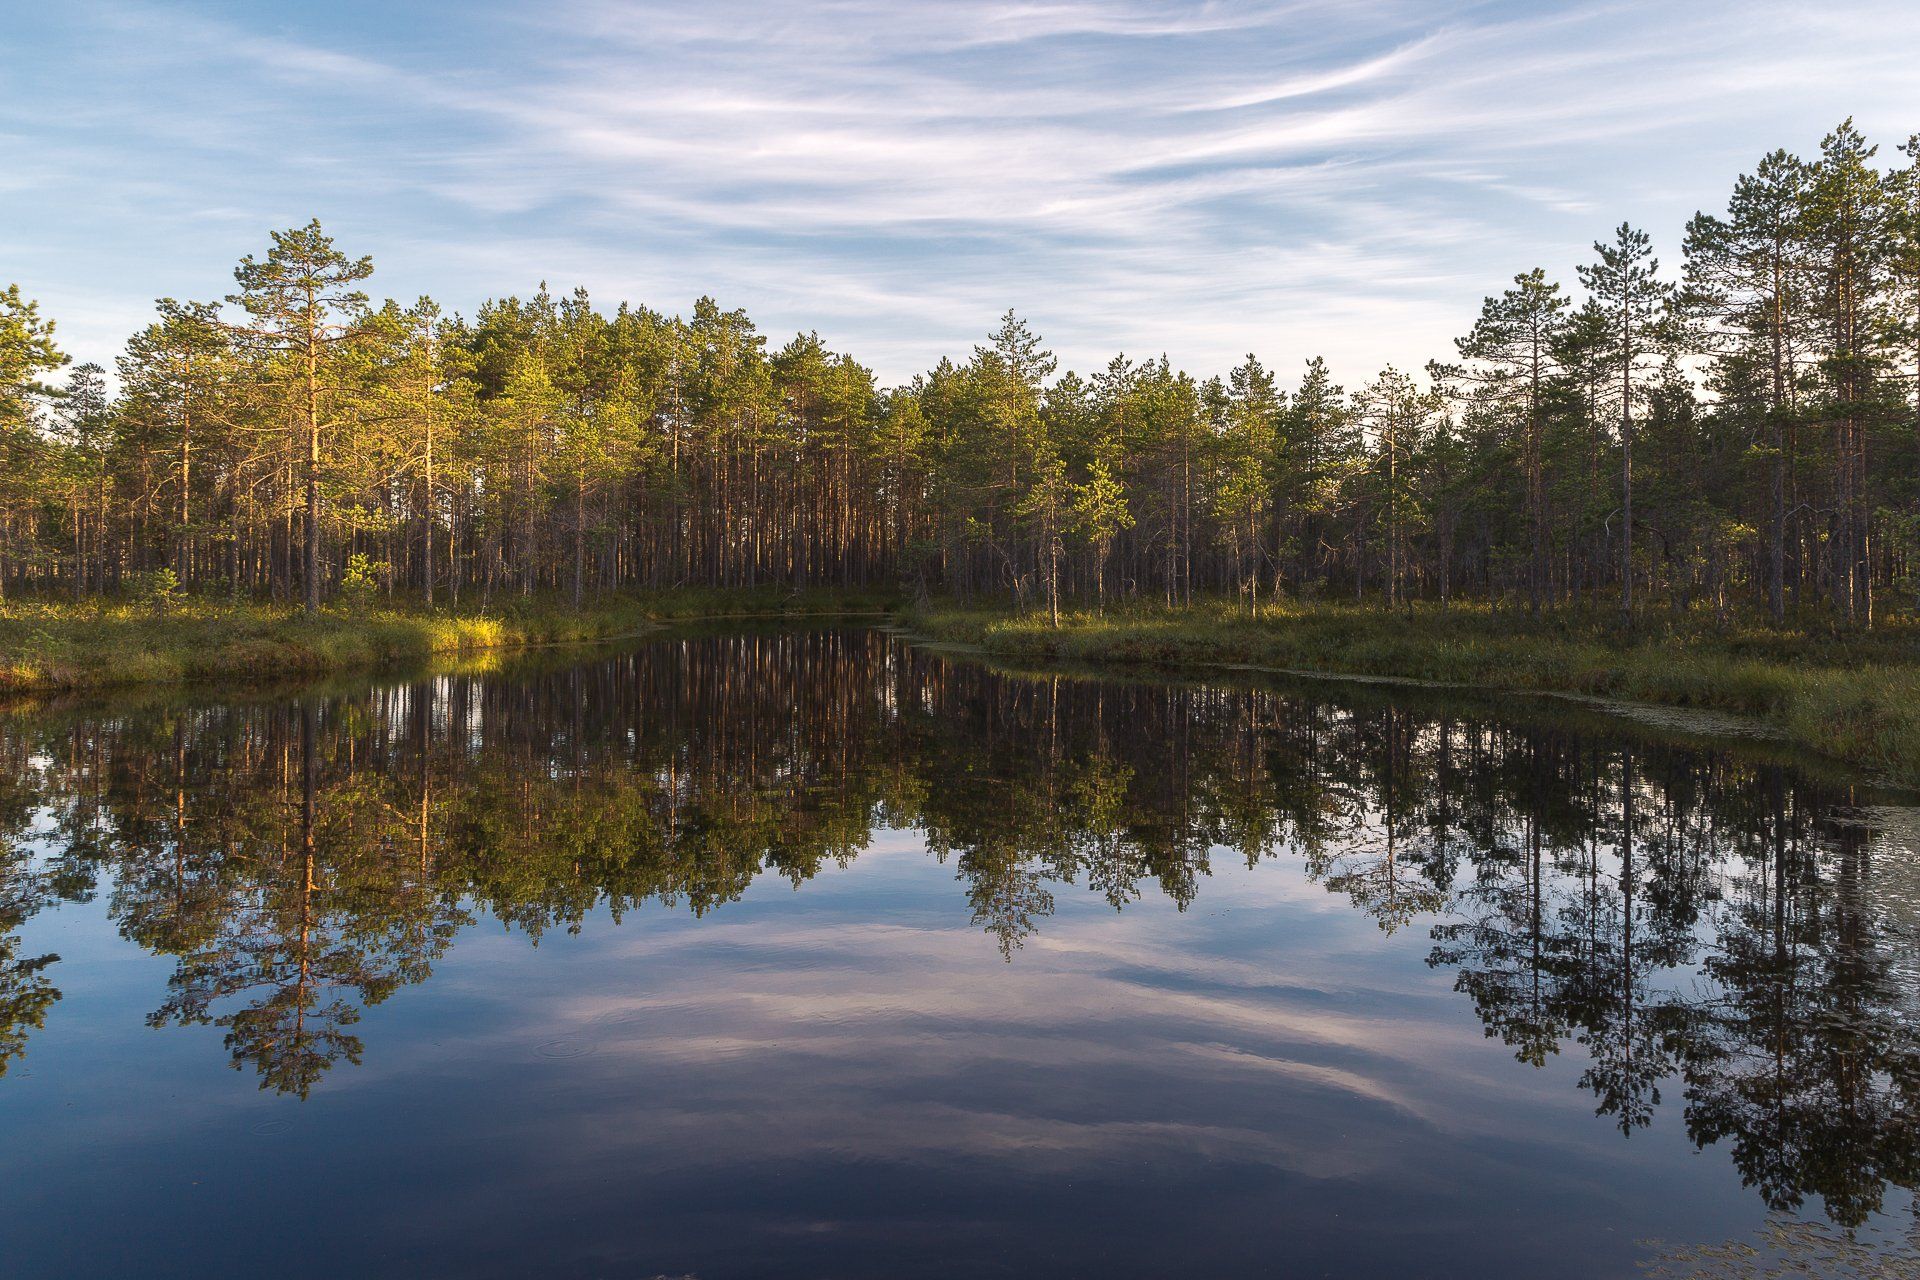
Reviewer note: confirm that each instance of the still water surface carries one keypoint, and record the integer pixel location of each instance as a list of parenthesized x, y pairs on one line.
[(811, 953)]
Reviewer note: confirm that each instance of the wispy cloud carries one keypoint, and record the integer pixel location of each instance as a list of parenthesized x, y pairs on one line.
[(1204, 178)]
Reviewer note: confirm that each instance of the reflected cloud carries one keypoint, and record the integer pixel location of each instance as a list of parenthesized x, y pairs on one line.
[(826, 897)]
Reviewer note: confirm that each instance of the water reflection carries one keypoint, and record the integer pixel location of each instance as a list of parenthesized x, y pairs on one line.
[(1712, 930)]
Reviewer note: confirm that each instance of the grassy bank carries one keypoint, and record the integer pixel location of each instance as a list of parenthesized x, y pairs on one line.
[(1854, 697), (1851, 696), (48, 646)]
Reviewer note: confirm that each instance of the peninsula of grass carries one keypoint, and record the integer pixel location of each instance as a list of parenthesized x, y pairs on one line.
[(1854, 696), (47, 646)]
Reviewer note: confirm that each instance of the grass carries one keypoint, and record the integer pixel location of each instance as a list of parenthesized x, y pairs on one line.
[(1854, 696), (57, 645)]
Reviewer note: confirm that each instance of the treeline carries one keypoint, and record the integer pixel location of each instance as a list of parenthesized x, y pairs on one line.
[(1741, 434)]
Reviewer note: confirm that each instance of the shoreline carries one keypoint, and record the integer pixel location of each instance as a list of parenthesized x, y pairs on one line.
[(56, 648), (1855, 699)]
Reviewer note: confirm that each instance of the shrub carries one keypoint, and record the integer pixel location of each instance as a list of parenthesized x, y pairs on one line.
[(159, 589), (360, 582)]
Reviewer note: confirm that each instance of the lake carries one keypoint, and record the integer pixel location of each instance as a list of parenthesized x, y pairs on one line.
[(811, 952)]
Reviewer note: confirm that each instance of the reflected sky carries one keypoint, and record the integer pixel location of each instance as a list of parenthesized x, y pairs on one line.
[(684, 972)]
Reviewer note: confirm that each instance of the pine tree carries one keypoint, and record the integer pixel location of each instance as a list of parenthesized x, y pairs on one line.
[(1318, 446), (26, 352), (1903, 188), (83, 427), (550, 447), (1245, 503), (1100, 516), (303, 310), (1745, 279), (1398, 416), (172, 376), (1626, 285), (1511, 361), (1848, 221)]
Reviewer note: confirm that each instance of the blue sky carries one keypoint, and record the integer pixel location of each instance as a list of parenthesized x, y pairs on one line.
[(1201, 179)]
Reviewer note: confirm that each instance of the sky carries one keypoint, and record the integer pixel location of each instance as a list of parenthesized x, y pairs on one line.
[(1196, 179)]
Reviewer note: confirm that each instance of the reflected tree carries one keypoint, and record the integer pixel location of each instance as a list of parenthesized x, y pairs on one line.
[(1682, 920)]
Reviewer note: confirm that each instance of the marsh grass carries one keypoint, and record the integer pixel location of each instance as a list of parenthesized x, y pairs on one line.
[(51, 646), (1855, 696)]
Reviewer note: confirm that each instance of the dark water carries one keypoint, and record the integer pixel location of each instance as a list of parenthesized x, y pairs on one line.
[(813, 954)]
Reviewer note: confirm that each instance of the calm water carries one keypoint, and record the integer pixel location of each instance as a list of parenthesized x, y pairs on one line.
[(811, 953)]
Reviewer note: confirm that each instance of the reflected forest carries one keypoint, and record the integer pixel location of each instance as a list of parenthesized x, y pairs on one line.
[(1714, 932)]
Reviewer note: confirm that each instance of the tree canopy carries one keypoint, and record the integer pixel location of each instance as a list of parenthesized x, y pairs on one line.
[(1740, 433)]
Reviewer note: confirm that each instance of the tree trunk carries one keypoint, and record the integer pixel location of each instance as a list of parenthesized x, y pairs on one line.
[(312, 532)]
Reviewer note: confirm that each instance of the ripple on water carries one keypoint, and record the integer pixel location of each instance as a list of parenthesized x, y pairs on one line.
[(623, 1018)]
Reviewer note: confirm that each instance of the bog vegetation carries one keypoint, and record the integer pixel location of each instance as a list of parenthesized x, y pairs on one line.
[(1739, 433)]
